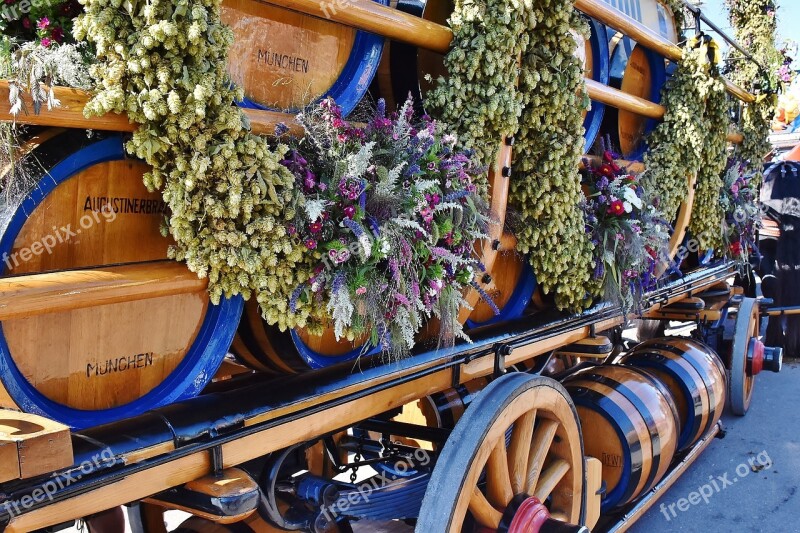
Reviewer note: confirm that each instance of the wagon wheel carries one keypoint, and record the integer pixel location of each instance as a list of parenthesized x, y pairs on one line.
[(744, 346), (531, 485)]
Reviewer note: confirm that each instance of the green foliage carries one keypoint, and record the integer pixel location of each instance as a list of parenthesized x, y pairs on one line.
[(678, 144), (708, 213), (164, 64), (546, 188), (755, 23), (478, 99)]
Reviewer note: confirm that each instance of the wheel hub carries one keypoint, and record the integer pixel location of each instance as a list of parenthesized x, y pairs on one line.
[(755, 357), (526, 514)]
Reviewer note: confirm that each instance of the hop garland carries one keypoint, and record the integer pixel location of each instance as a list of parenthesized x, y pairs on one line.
[(546, 190), (677, 144), (707, 212), (754, 24), (164, 64), (478, 98)]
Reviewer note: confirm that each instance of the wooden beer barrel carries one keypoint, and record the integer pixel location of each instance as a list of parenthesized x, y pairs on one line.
[(630, 424), (640, 72), (90, 220), (267, 349), (285, 60), (695, 376)]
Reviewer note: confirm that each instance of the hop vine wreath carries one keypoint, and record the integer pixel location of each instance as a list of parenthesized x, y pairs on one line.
[(164, 64), (630, 236), (677, 145), (546, 190), (707, 212), (390, 215), (479, 98), (755, 24)]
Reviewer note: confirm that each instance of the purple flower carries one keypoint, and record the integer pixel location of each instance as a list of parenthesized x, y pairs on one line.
[(43, 23), (432, 166), (356, 228), (486, 298), (295, 296)]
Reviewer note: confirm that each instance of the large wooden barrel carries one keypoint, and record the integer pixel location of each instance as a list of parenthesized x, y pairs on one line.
[(89, 211), (265, 348), (695, 376), (285, 60), (637, 71), (630, 423)]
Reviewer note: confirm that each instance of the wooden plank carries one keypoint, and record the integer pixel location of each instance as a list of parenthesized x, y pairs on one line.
[(29, 295), (594, 481), (32, 445), (70, 114)]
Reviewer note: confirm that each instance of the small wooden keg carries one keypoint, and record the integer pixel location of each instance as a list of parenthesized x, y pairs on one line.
[(695, 376), (629, 422)]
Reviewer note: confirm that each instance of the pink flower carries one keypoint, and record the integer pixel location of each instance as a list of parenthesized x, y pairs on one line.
[(46, 42), (361, 290), (43, 23), (315, 227), (350, 211), (311, 244)]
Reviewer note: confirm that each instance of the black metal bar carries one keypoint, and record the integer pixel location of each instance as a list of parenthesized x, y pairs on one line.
[(404, 429), (730, 40)]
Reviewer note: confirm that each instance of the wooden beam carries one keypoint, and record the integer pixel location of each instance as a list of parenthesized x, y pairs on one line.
[(645, 36), (375, 18), (28, 295), (622, 100), (70, 114), (31, 445)]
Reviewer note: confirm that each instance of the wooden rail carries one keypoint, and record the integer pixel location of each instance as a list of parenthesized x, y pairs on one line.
[(628, 102), (70, 114), (645, 36), (36, 294)]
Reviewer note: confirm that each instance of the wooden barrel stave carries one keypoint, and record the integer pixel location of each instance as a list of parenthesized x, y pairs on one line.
[(285, 60), (695, 376), (641, 72), (630, 424), (94, 365)]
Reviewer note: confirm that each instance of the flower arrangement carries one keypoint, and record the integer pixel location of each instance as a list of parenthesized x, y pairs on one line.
[(739, 200), (389, 213), (45, 22), (629, 233)]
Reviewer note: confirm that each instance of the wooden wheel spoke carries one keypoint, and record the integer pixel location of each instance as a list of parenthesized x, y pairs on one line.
[(498, 481), (483, 511), (551, 477), (518, 451), (542, 439)]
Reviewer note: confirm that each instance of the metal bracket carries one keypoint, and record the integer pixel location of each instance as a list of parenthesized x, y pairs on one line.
[(500, 352), (216, 460)]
